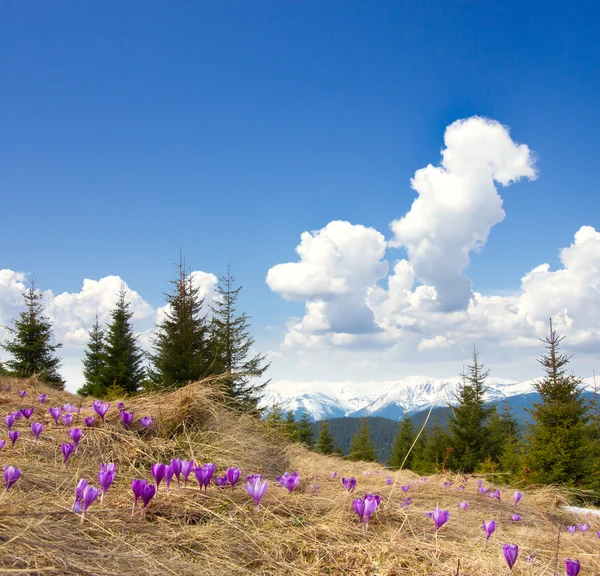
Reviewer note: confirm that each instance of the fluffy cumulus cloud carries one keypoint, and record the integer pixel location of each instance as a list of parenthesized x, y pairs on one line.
[(427, 310), (73, 313)]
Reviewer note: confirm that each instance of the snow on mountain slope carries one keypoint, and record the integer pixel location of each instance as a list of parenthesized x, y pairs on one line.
[(322, 399)]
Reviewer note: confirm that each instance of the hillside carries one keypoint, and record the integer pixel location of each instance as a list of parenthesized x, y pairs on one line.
[(312, 530)]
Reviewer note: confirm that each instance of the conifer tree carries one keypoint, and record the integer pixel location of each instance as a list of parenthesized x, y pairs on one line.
[(232, 344), (31, 347), (304, 431), (361, 447), (291, 429), (94, 362), (124, 359), (502, 427), (559, 448), (182, 352), (325, 444), (434, 449), (468, 430), (402, 444)]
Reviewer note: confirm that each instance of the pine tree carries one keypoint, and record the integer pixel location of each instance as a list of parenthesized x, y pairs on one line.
[(502, 426), (181, 348), (402, 444), (31, 347), (559, 448), (124, 359), (361, 447), (275, 420), (325, 444), (232, 344), (290, 426), (304, 431), (470, 438), (434, 449), (94, 362)]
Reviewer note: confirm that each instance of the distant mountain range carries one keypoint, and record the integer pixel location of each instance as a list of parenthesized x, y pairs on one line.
[(388, 399)]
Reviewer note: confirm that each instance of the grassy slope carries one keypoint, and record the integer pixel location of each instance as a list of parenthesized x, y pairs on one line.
[(188, 533)]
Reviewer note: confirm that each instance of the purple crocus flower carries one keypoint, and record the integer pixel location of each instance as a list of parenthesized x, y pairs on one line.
[(518, 496), (424, 479), (583, 528), (371, 504), (233, 475), (126, 418), (42, 398), (597, 533), (530, 559), (405, 488), (101, 408), (406, 502), (349, 483), (76, 434), (388, 480), (89, 421), (106, 477), (79, 494), (148, 492), (333, 474), (256, 489), (2, 444), (137, 486), (37, 428), (204, 474), (252, 477), (571, 529), (22, 394), (463, 505), (146, 421), (220, 481), (121, 406), (359, 507), (289, 481), (90, 493), (27, 412), (461, 487), (495, 494), (483, 490), (169, 473), (17, 414), (489, 527), (55, 413), (572, 566), (176, 465), (511, 552), (447, 484), (158, 471), (11, 475), (9, 421), (440, 517), (186, 468), (13, 435), (67, 449), (516, 517), (67, 419)]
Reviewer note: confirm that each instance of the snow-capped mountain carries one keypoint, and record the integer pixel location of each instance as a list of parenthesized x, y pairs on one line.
[(390, 399)]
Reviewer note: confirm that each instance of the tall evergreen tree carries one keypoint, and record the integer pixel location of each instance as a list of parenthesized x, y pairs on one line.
[(94, 362), (31, 347), (232, 343), (325, 444), (402, 444), (124, 359), (559, 448), (433, 450), (362, 447), (502, 427), (304, 431), (181, 348), (291, 429), (470, 438)]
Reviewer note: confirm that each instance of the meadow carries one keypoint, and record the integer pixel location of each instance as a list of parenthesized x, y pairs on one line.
[(304, 524)]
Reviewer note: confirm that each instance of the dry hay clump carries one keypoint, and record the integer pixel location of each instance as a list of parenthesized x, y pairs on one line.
[(310, 531)]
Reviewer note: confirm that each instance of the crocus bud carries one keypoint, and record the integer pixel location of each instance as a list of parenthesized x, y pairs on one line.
[(27, 412), (463, 505), (22, 394), (518, 496), (489, 527), (126, 418), (13, 435), (9, 421), (89, 421), (572, 566), (146, 421), (11, 475), (55, 413), (67, 449), (511, 551), (42, 398), (67, 419), (37, 428), (440, 517)]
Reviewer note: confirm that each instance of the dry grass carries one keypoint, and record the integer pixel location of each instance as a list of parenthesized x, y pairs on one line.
[(188, 533)]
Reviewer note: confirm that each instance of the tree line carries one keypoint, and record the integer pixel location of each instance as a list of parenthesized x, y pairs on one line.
[(560, 445), (188, 343)]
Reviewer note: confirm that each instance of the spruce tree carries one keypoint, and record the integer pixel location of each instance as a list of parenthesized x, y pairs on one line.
[(232, 343), (304, 431), (361, 447), (502, 426), (94, 362), (434, 449), (325, 443), (402, 444), (559, 447), (31, 347), (181, 348), (468, 430), (124, 359), (290, 427)]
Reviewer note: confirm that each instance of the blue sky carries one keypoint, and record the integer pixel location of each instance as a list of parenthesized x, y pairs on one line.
[(133, 129)]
